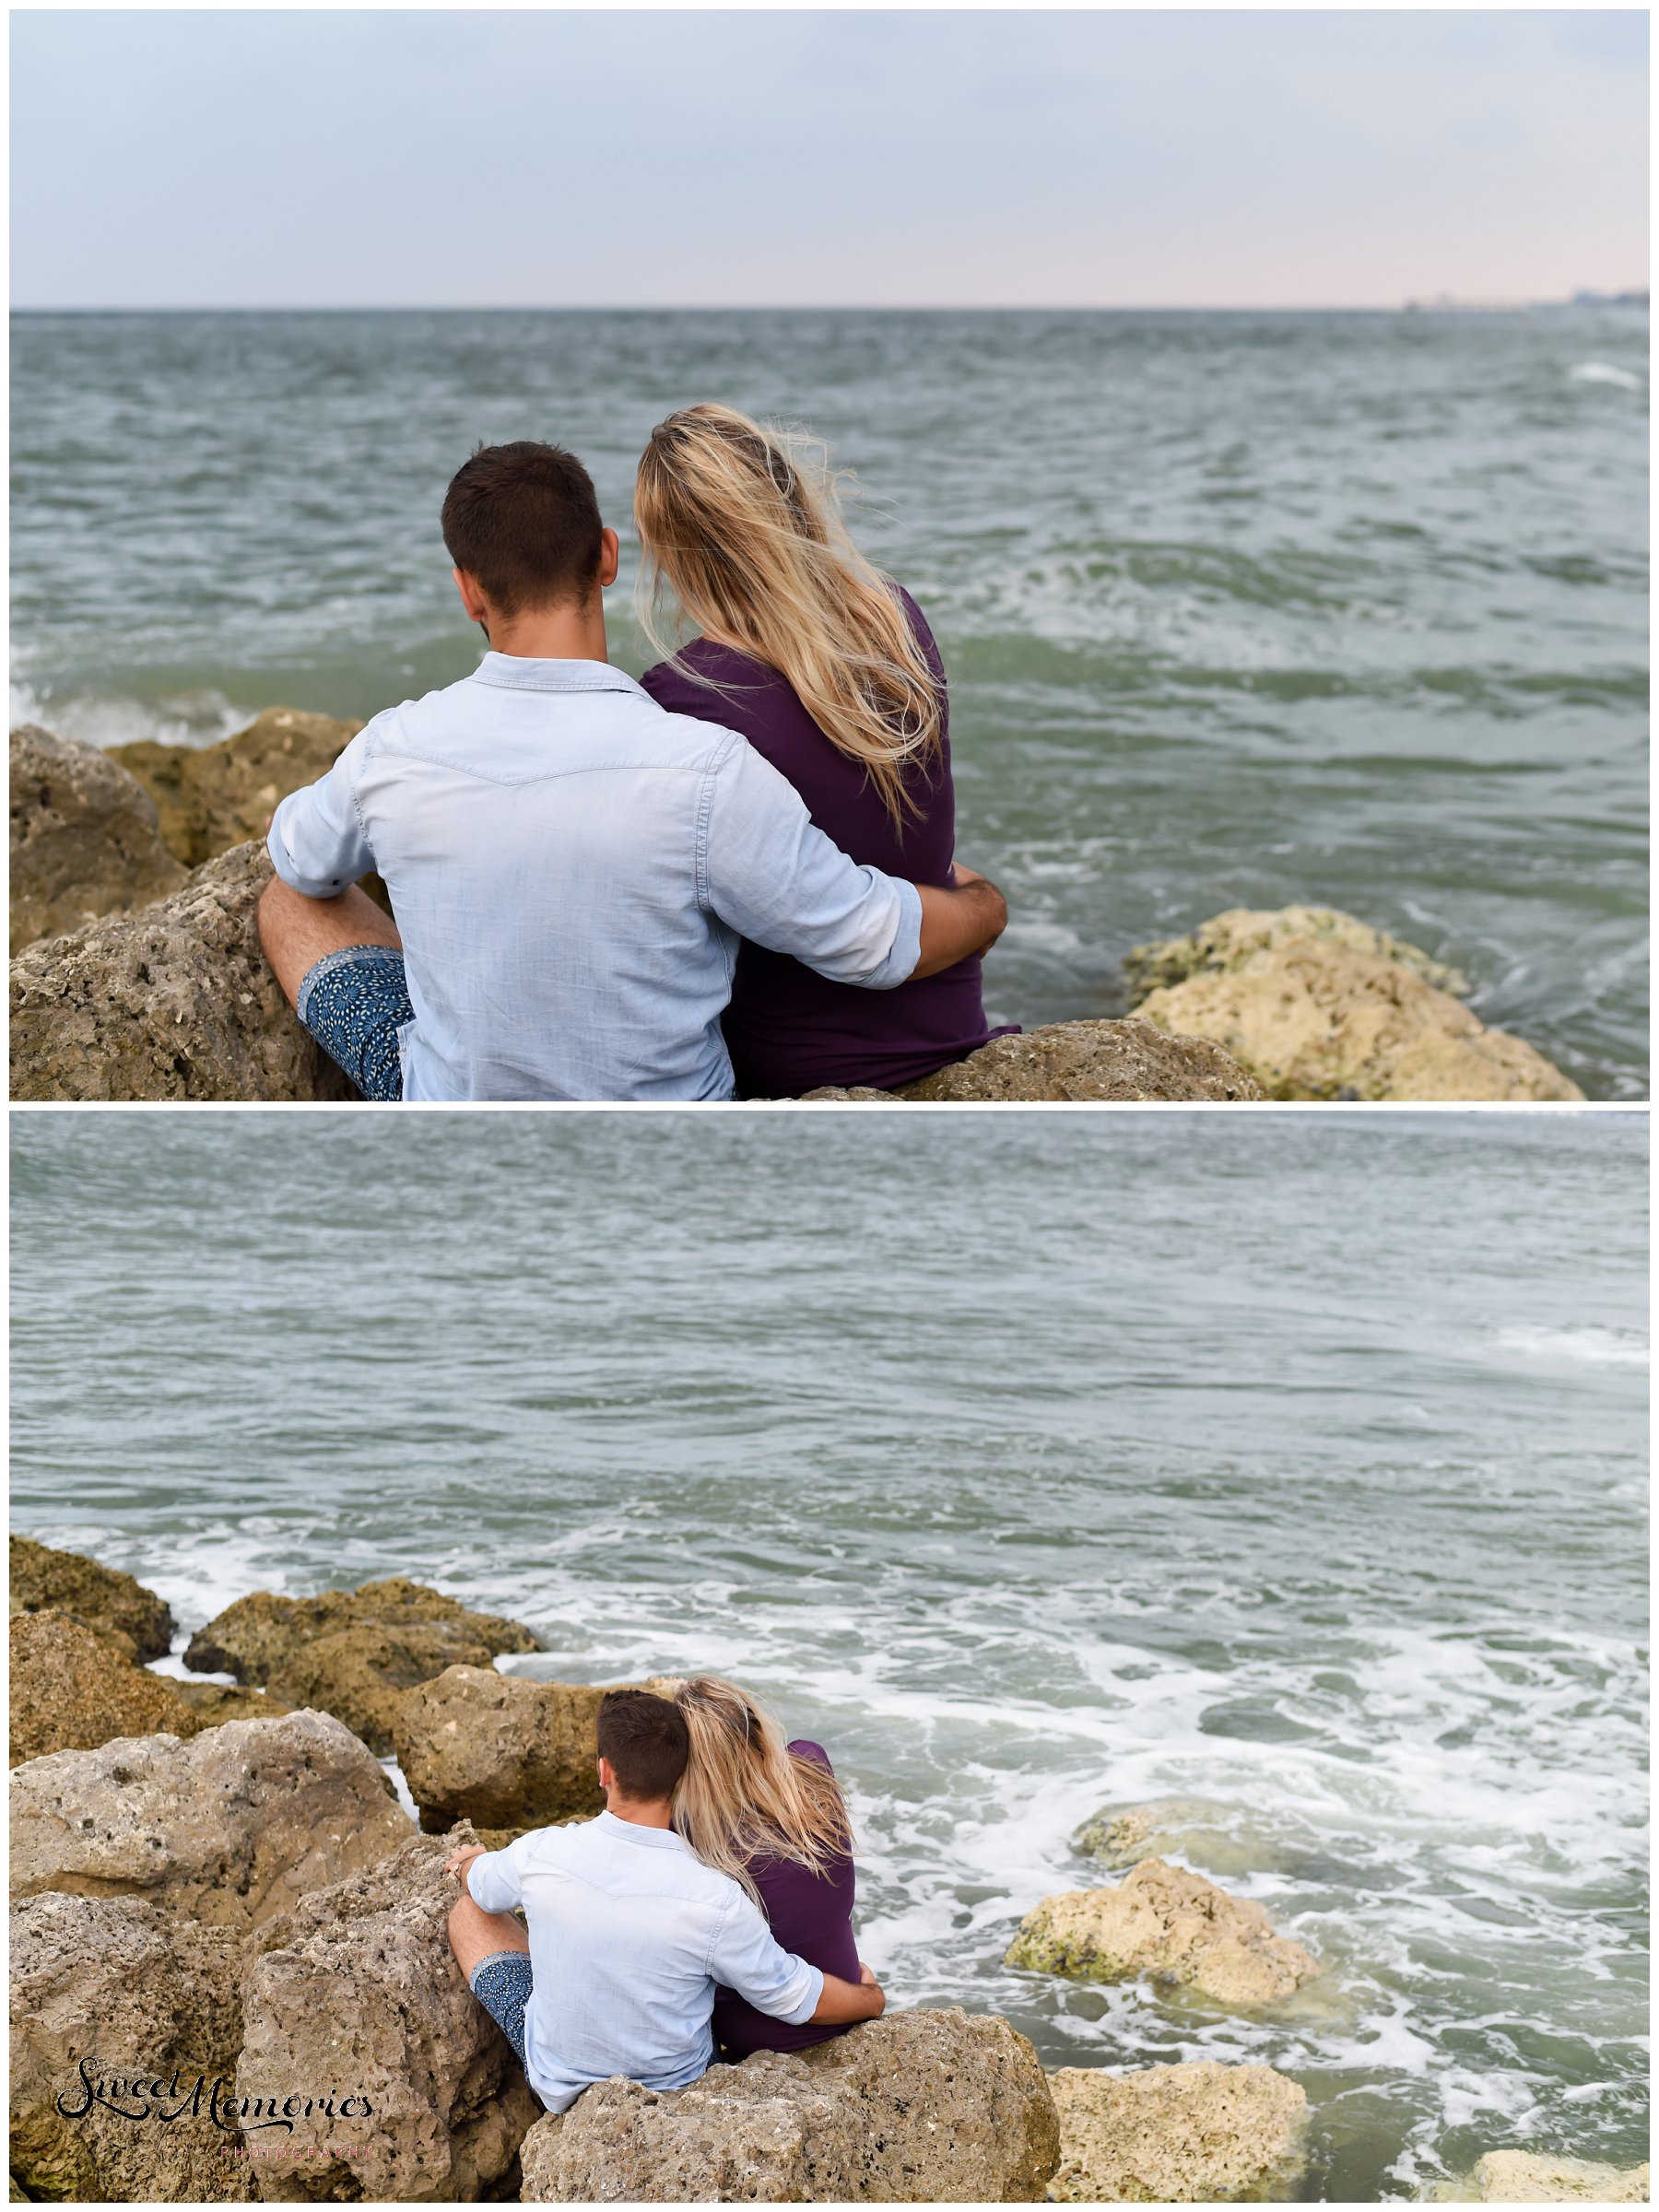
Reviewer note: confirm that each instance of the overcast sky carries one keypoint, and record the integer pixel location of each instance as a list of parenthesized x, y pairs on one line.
[(772, 159)]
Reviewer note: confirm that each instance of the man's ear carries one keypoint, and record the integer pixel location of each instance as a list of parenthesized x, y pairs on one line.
[(607, 1775), (472, 598), (610, 557)]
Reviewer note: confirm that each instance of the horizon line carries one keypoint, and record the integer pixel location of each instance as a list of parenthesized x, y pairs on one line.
[(1442, 304)]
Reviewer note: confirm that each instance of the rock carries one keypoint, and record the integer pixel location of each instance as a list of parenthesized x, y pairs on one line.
[(357, 1989), (1232, 940), (225, 1830), (498, 1751), (1319, 1006), (918, 2108), (99, 1598), (173, 1002), (125, 1989), (352, 1653), (214, 1702), (213, 796), (1190, 1828), (72, 1690), (1527, 2177), (1169, 1923), (1090, 1060), (84, 838), (835, 1094), (1194, 2134)]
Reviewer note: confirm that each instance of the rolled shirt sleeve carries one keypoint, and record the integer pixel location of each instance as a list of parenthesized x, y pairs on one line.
[(747, 1957), (495, 1882), (316, 842), (770, 874)]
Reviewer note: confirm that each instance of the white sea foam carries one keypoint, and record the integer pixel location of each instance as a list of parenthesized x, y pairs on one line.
[(1586, 1346), (200, 718), (1604, 373)]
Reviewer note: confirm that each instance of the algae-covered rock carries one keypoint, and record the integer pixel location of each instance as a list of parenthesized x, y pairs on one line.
[(1170, 1924), (213, 796), (113, 1990), (1530, 2177), (226, 1829), (1233, 940), (923, 2107), (498, 1751), (352, 1653), (1081, 1059), (357, 1987), (1319, 1006), (99, 1598), (73, 1690), (1202, 2134), (175, 1001), (84, 838)]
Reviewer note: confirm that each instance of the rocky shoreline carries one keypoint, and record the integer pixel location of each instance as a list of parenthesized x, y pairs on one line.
[(230, 1979), (137, 972)]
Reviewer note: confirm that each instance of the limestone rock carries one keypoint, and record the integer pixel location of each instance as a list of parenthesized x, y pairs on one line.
[(499, 1751), (1528, 2177), (352, 1653), (1318, 1005), (1091, 1060), (357, 1987), (1232, 940), (124, 1988), (921, 2107), (1169, 1923), (214, 1702), (72, 1690), (225, 1830), (1213, 1835), (1194, 2134), (84, 838), (99, 1598), (213, 796), (173, 1002)]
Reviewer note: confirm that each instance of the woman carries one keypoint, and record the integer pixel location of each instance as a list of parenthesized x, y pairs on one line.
[(828, 670), (770, 1814)]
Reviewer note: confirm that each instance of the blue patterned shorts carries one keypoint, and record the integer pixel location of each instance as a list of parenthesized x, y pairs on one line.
[(354, 1002), (501, 1984)]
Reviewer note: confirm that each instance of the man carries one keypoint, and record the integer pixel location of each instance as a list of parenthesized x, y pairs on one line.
[(570, 867), (627, 1932)]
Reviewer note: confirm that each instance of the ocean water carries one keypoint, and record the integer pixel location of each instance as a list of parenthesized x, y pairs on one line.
[(1031, 1462), (1238, 608)]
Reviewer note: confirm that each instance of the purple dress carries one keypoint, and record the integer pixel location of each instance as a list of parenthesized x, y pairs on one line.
[(788, 1029), (810, 1914)]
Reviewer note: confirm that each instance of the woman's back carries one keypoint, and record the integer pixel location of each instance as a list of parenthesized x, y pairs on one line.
[(788, 1030), (810, 1914)]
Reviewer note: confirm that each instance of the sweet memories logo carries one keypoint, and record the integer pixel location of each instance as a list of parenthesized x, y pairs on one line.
[(140, 2097)]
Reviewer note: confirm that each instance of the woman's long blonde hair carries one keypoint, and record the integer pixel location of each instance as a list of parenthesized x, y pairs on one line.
[(744, 1794), (742, 523)]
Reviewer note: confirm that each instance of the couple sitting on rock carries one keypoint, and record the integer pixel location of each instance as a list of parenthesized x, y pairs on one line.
[(736, 876), (711, 1902)]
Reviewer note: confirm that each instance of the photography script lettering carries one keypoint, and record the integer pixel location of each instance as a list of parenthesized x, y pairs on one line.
[(153, 2096)]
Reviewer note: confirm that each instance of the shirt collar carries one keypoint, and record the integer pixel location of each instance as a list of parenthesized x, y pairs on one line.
[(510, 672), (628, 1831)]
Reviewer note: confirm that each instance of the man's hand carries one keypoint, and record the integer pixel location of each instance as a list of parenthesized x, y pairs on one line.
[(958, 922), (844, 2002), (459, 1861)]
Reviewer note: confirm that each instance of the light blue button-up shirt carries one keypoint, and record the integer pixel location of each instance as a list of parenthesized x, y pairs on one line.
[(629, 1933), (571, 870)]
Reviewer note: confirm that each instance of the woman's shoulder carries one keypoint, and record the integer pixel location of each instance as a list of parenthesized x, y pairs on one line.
[(804, 1747), (709, 682)]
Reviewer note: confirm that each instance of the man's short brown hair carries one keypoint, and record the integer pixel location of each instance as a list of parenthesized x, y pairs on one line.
[(646, 1739), (523, 520)]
